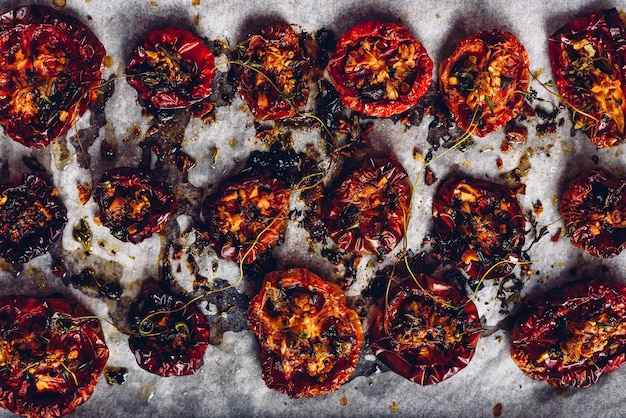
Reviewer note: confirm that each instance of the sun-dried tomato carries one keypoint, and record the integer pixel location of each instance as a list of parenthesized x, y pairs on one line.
[(50, 67), (593, 207), (380, 69)]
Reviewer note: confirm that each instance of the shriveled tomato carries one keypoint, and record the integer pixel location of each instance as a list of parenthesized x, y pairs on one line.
[(380, 69), (593, 207), (170, 334), (588, 58), (477, 224), (50, 67), (310, 340), (247, 217), (172, 68), (367, 212), (572, 335), (32, 217), (52, 352), (484, 80), (426, 331), (273, 74), (133, 205)]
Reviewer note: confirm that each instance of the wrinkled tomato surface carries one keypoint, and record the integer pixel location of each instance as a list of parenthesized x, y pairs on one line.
[(32, 217), (426, 331), (170, 334), (484, 80), (310, 340), (588, 58), (50, 68), (172, 68), (593, 207), (273, 74), (380, 69), (246, 218), (133, 205), (52, 352), (367, 212), (572, 335), (477, 224)]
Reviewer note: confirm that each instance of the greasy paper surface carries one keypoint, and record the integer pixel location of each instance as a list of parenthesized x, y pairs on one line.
[(229, 383)]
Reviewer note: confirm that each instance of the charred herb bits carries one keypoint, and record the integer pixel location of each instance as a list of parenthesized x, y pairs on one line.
[(133, 205), (310, 340), (380, 69), (52, 353), (588, 58), (478, 224), (50, 68), (425, 330), (572, 335), (32, 217), (593, 207)]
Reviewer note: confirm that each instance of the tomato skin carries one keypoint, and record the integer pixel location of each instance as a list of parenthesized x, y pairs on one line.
[(132, 205), (478, 223), (58, 90), (425, 361), (247, 217), (569, 48), (284, 66), (180, 67), (366, 212), (294, 314), (552, 332), (170, 336), (42, 337), (491, 64), (32, 217), (593, 207), (392, 40)]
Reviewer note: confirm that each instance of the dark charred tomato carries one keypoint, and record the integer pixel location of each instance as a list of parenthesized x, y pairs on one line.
[(50, 68), (172, 69), (133, 205), (588, 58), (572, 335), (478, 224), (273, 75), (246, 218), (484, 80), (594, 209), (380, 69), (426, 331), (310, 340), (367, 212), (32, 217), (169, 335), (52, 352)]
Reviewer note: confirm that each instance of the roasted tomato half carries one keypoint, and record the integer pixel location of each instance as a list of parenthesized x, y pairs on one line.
[(588, 58), (50, 67), (32, 217), (169, 334), (484, 80), (133, 205), (172, 68), (310, 340), (380, 69), (573, 334), (426, 331), (52, 352), (367, 212), (246, 218), (593, 207), (273, 74), (478, 224)]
